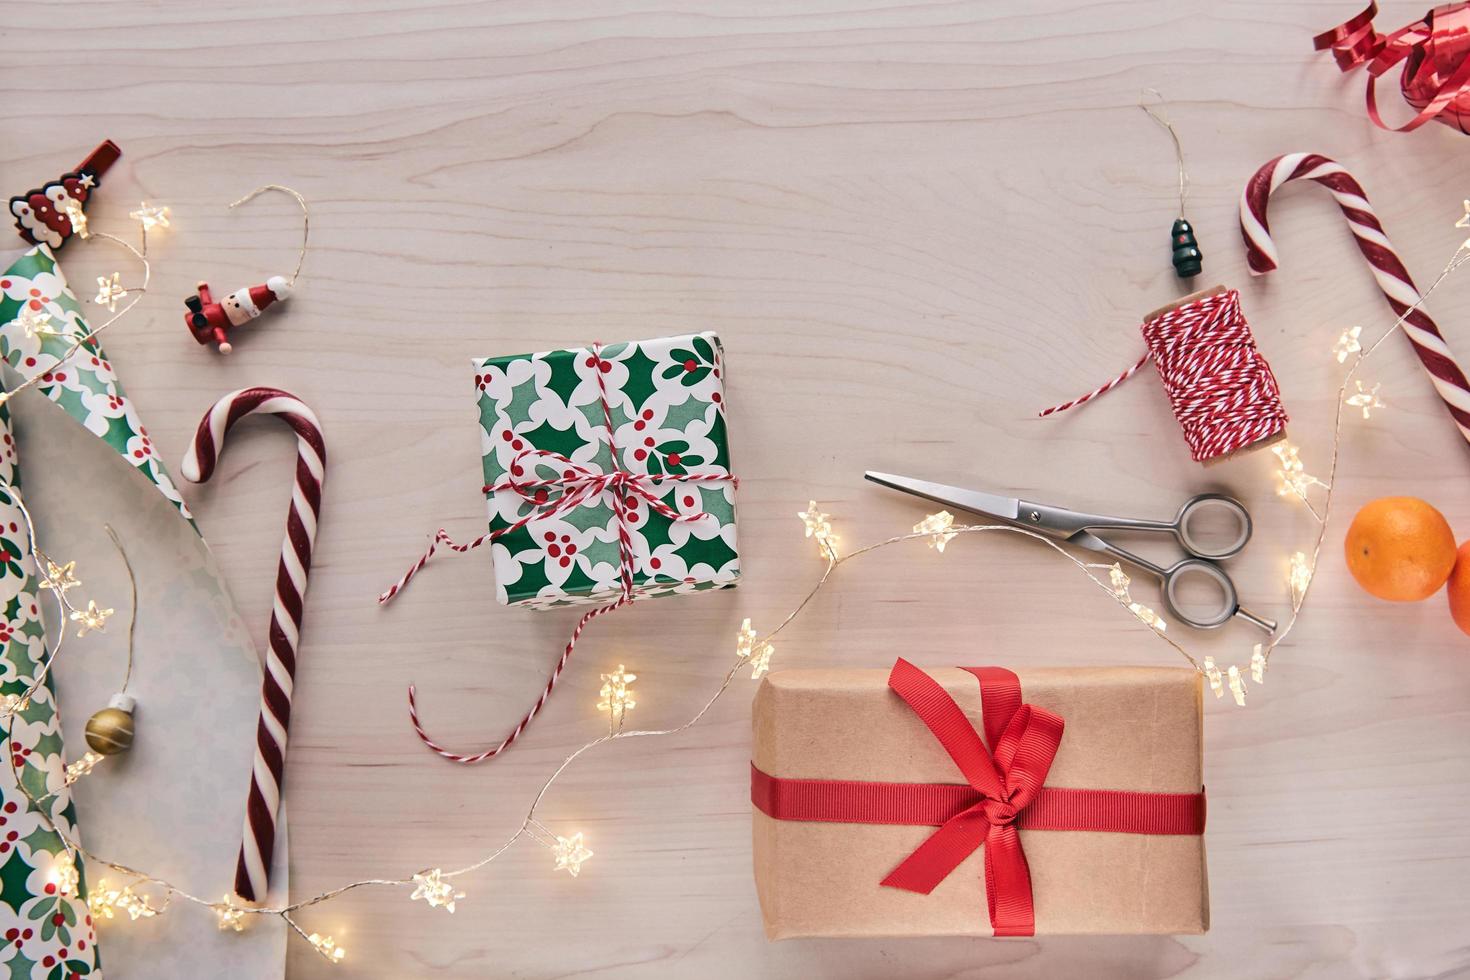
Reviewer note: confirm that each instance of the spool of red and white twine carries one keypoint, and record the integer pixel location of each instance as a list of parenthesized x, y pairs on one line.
[(252, 870), (1220, 387), (1388, 269)]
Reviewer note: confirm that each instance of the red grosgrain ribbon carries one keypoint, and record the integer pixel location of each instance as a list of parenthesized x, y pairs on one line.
[(575, 485), (1005, 794), (1436, 73)]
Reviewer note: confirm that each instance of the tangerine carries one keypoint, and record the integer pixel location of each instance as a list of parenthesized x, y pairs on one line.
[(1400, 549), (1459, 589)]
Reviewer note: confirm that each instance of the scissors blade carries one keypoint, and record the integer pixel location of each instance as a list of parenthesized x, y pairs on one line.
[(973, 501)]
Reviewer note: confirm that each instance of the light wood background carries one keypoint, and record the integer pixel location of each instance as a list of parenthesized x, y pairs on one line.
[(914, 224)]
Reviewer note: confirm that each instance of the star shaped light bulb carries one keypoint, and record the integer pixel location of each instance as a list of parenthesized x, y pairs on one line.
[(328, 947), (1299, 578), (150, 216), (35, 323), (819, 526), (432, 887), (110, 291), (64, 875), (230, 915), (570, 852), (616, 694), (760, 660), (937, 526), (1347, 344), (91, 618), (1365, 398), (745, 640), (60, 577)]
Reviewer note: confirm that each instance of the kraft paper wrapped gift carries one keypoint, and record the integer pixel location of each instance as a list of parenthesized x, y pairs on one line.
[(861, 806), (546, 417)]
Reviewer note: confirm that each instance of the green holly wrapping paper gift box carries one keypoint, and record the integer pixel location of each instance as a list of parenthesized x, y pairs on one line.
[(544, 429)]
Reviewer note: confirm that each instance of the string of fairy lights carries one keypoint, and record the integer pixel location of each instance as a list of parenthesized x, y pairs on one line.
[(141, 895)]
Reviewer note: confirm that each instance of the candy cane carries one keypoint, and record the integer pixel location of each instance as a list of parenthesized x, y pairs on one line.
[(1393, 279), (252, 871)]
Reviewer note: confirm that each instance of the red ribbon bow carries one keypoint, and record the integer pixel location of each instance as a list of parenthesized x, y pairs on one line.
[(1436, 75), (1025, 740), (1005, 794)]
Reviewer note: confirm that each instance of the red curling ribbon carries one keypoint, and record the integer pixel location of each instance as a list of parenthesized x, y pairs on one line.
[(1436, 73), (1003, 794)]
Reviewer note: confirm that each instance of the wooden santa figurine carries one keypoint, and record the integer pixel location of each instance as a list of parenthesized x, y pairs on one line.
[(210, 322)]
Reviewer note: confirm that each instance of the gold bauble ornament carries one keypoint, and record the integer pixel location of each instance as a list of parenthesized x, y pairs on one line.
[(110, 730)]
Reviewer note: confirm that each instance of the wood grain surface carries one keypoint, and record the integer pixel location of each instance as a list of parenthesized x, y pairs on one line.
[(913, 224)]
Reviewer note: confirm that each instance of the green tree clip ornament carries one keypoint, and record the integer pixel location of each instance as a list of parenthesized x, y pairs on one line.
[(1187, 258)]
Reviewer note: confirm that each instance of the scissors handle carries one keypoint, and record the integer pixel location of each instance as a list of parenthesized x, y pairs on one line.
[(1195, 540), (1199, 544), (1227, 606), (1196, 569)]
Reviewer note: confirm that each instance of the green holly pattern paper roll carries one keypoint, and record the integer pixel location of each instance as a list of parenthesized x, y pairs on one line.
[(46, 936), (667, 403), (86, 386)]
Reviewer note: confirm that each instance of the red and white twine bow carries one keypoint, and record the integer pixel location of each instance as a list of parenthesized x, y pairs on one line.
[(579, 484), (1434, 49)]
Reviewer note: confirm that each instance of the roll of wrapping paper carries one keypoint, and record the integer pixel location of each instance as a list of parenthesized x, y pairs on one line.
[(37, 921), (86, 387), (88, 390)]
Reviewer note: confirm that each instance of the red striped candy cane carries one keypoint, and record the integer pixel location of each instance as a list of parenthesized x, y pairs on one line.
[(252, 871), (1393, 279)]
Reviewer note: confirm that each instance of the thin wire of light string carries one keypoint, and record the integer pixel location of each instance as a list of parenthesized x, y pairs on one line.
[(132, 602), (305, 218), (1161, 116)]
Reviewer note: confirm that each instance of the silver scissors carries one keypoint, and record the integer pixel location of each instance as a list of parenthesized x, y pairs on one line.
[(1203, 556)]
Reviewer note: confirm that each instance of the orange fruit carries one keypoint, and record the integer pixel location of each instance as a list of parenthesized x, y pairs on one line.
[(1400, 549), (1459, 589)]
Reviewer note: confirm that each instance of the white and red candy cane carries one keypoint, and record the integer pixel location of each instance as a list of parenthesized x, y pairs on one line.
[(252, 871), (1393, 279)]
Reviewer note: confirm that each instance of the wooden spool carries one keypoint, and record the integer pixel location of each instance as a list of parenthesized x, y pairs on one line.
[(1182, 301)]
